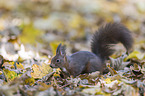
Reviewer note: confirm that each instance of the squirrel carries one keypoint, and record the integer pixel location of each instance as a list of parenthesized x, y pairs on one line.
[(101, 46)]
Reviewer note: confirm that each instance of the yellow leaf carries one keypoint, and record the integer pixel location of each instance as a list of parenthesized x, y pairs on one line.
[(137, 55), (10, 75), (12, 66), (30, 81), (99, 92), (8, 64), (43, 86), (108, 80), (19, 66), (40, 71), (57, 72)]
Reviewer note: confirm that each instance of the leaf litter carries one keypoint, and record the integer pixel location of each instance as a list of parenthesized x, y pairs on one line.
[(24, 68)]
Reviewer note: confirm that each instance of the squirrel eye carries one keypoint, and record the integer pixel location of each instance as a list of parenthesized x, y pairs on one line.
[(57, 60)]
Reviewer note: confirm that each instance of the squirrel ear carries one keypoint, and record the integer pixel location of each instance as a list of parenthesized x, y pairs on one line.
[(58, 49), (62, 50)]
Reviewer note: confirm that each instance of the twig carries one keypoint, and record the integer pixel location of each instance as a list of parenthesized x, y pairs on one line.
[(64, 86)]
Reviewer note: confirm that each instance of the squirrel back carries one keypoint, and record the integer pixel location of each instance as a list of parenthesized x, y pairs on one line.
[(107, 36), (102, 41)]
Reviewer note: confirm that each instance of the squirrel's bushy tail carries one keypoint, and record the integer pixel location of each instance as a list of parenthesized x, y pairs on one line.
[(106, 36)]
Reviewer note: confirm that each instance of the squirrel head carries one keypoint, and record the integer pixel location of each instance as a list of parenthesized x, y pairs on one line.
[(60, 59)]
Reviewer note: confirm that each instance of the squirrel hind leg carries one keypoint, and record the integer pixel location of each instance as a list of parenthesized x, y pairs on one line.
[(75, 70), (94, 65)]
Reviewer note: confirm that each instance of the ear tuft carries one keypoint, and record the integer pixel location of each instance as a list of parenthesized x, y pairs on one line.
[(62, 50), (58, 49)]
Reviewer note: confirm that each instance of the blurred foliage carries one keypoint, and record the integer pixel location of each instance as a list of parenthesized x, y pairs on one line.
[(54, 45), (30, 34), (30, 31)]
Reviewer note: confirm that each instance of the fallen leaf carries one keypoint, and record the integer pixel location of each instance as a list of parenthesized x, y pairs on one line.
[(40, 71), (29, 81), (10, 75), (137, 55)]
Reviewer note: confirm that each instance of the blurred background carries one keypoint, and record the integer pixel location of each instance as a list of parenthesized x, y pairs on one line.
[(40, 25)]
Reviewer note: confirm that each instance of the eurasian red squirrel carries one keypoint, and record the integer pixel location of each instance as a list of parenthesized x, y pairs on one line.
[(87, 62)]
